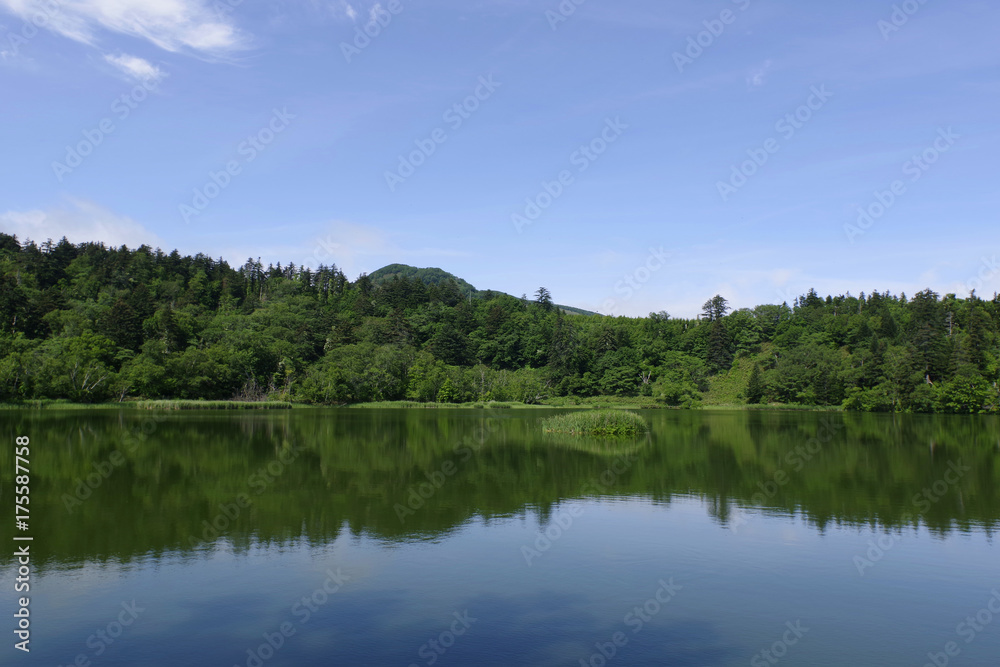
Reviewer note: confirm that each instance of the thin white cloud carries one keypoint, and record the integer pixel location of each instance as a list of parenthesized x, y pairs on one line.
[(349, 11), (338, 10), (173, 25), (354, 248), (135, 68), (79, 222), (758, 77)]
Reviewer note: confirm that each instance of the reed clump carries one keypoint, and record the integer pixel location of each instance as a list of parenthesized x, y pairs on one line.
[(597, 422)]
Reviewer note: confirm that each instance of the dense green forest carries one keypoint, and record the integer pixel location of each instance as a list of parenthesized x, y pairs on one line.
[(90, 323)]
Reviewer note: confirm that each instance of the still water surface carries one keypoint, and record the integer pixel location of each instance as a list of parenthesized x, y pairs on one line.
[(454, 537)]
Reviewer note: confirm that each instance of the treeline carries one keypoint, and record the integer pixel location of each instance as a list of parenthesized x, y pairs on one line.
[(90, 323)]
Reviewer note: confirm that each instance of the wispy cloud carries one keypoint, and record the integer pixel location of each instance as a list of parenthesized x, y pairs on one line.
[(172, 25), (135, 68), (341, 10), (758, 76), (356, 248), (353, 247), (80, 221)]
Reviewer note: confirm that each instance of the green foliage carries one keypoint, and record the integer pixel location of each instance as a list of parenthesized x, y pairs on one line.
[(715, 309), (89, 323), (967, 394), (406, 277), (597, 422), (755, 386), (447, 393), (431, 276)]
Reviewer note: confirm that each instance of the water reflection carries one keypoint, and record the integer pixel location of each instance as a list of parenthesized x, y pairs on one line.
[(309, 475)]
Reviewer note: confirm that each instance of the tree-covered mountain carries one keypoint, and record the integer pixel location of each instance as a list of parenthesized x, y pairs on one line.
[(435, 276), (429, 276), (92, 323)]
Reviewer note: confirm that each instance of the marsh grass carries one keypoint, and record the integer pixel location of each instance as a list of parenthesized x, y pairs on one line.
[(775, 407), (479, 405), (57, 404), (213, 405), (596, 422), (48, 404)]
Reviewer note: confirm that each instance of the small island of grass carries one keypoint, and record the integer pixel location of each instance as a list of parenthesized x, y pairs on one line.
[(597, 422)]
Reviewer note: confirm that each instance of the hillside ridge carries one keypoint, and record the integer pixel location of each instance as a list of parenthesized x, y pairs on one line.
[(436, 276)]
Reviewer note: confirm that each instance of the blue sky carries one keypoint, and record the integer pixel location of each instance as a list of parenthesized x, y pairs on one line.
[(274, 129)]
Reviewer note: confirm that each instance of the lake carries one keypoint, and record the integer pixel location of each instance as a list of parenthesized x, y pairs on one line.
[(469, 537)]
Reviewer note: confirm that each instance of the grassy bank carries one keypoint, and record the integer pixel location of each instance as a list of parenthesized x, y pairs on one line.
[(150, 405), (602, 402), (49, 404), (775, 407), (482, 405), (589, 403), (592, 403), (212, 405)]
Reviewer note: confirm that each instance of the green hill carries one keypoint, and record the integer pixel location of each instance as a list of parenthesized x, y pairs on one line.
[(436, 276), (429, 276)]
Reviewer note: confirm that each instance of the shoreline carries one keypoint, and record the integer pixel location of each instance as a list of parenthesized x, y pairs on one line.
[(593, 403)]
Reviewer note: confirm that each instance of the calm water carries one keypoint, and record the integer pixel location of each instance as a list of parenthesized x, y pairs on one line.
[(443, 537)]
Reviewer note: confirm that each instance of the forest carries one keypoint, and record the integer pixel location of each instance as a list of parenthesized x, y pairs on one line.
[(89, 323)]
